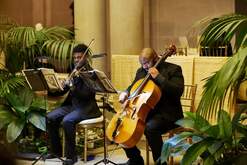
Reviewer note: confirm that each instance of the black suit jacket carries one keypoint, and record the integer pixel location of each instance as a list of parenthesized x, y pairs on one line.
[(171, 82), (81, 96)]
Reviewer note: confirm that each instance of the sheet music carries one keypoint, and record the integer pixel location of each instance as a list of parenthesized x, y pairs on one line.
[(34, 80), (105, 81), (51, 78), (42, 79), (98, 81)]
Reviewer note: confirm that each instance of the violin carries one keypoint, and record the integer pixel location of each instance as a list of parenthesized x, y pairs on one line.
[(127, 126)]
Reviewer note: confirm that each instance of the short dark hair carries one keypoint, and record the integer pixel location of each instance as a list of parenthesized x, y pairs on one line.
[(80, 48)]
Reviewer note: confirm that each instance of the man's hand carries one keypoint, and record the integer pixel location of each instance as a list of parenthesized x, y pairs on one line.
[(122, 97), (66, 83), (153, 71)]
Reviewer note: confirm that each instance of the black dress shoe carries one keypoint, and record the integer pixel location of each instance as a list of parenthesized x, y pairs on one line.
[(52, 156), (70, 161)]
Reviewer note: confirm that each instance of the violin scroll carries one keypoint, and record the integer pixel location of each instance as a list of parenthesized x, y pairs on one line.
[(172, 50), (169, 51)]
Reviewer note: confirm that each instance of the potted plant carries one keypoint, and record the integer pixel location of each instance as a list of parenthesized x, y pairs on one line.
[(217, 143), (19, 111), (214, 143), (20, 108), (21, 116)]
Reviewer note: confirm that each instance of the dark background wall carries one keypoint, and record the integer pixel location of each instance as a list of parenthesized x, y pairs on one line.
[(241, 6), (30, 12)]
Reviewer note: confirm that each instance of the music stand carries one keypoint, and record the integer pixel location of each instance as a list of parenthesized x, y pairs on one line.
[(38, 83), (101, 84)]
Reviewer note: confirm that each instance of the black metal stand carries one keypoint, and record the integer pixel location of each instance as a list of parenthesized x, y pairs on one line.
[(104, 160), (43, 155)]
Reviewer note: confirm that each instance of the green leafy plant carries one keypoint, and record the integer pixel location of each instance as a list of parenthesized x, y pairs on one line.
[(215, 144), (18, 106), (21, 108)]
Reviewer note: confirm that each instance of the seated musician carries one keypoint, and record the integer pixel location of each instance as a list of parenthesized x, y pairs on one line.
[(169, 78), (79, 105)]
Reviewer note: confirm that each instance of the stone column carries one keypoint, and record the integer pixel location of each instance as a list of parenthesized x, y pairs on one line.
[(126, 26), (90, 23)]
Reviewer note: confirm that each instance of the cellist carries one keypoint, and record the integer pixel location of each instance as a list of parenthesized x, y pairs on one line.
[(169, 78)]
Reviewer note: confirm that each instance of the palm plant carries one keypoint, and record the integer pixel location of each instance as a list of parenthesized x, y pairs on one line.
[(26, 44), (225, 82), (29, 43)]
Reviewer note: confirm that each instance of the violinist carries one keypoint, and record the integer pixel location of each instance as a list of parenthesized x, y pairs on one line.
[(169, 78), (79, 105)]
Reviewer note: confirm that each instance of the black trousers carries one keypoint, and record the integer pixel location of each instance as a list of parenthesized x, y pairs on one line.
[(156, 125), (68, 117)]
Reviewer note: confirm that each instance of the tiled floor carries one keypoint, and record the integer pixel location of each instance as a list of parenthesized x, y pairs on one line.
[(118, 156)]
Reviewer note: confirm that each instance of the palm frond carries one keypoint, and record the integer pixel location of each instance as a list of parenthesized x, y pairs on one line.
[(22, 37), (22, 44), (55, 33), (26, 43), (9, 82), (223, 29), (60, 50), (224, 80)]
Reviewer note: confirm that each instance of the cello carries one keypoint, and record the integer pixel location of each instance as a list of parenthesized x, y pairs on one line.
[(127, 126)]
